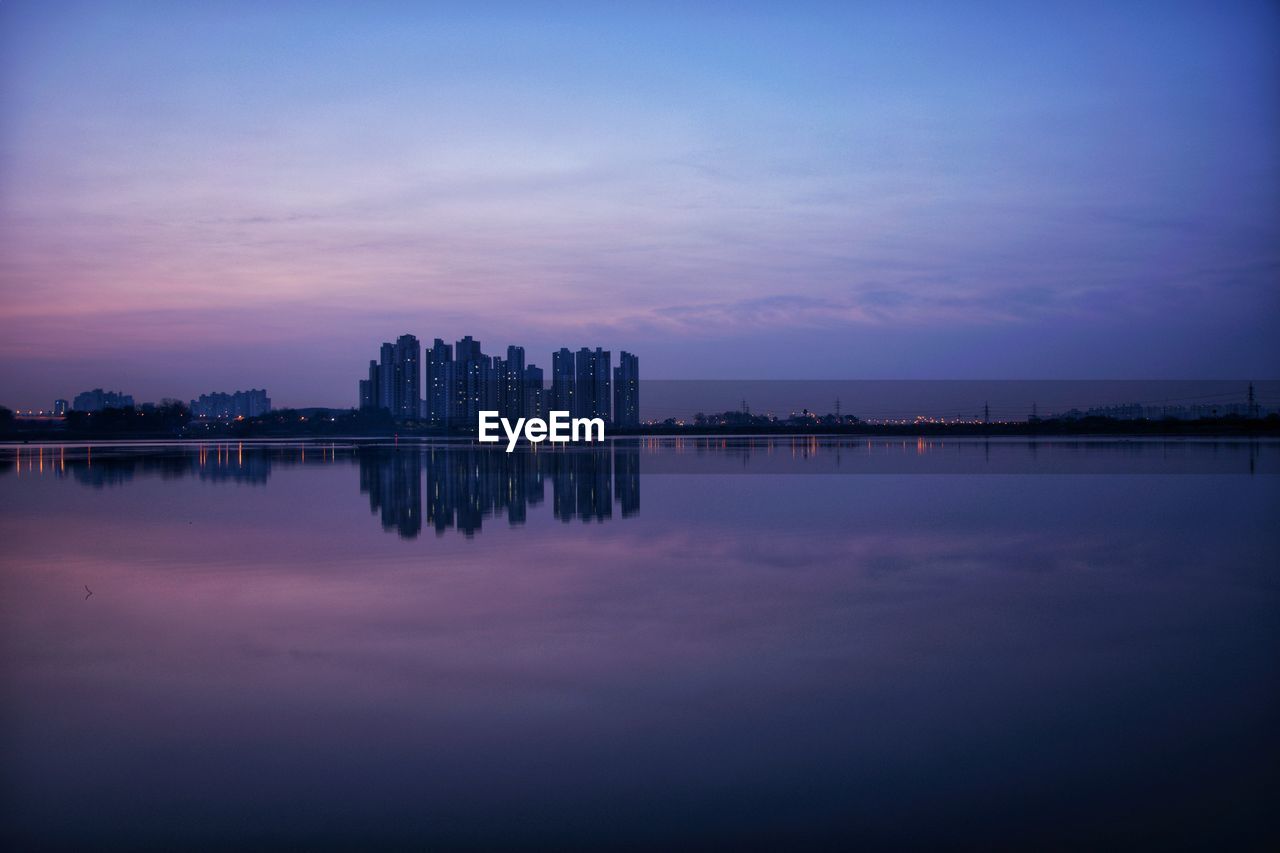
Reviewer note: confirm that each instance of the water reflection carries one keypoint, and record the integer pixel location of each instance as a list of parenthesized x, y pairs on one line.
[(459, 487), (756, 661), (441, 486), (108, 463), (447, 486)]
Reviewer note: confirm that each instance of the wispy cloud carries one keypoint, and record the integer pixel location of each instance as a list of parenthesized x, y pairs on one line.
[(628, 178)]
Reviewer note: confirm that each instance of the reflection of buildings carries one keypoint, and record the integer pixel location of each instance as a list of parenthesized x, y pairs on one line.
[(626, 478), (226, 462), (459, 487), (99, 466), (581, 486), (410, 486), (394, 487)]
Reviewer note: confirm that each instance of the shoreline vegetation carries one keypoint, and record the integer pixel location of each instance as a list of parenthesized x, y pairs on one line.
[(171, 420)]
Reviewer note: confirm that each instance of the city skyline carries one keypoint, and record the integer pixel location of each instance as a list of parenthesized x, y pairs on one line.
[(1054, 192), (450, 384), (689, 402)]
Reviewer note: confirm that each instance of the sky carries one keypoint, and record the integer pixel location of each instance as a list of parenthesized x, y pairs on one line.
[(199, 197)]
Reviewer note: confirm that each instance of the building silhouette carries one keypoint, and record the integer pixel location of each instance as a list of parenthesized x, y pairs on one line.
[(387, 378), (535, 394), (407, 356), (394, 382), (626, 391), (448, 386), (511, 384), (438, 378), (592, 396), (369, 388), (97, 400), (241, 404), (471, 380), (562, 380)]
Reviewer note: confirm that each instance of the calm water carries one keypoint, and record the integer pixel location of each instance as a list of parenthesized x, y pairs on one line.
[(902, 642)]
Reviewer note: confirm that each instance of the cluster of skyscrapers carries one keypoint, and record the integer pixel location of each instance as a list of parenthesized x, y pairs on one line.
[(97, 400), (449, 385), (241, 404)]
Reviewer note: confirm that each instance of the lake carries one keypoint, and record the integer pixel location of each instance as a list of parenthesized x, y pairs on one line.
[(785, 642)]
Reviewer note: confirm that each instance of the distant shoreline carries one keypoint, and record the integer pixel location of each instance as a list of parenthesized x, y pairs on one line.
[(316, 430)]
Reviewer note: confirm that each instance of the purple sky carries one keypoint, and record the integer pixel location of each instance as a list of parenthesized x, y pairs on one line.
[(197, 199)]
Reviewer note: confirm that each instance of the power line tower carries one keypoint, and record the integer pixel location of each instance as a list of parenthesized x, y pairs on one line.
[(838, 406), (986, 412), (1034, 415), (1253, 403), (746, 410)]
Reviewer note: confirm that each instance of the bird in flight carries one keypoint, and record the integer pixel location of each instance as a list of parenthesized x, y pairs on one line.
[(89, 591)]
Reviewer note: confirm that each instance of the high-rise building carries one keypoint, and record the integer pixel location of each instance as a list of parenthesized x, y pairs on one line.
[(626, 391), (562, 381), (602, 394), (471, 369), (371, 388), (498, 383), (97, 400), (535, 396), (511, 392), (408, 394), (489, 385), (450, 385), (241, 404), (584, 384), (394, 382), (592, 396), (60, 407), (438, 379), (439, 382), (387, 377)]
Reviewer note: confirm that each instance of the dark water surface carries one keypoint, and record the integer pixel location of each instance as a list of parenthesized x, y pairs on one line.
[(660, 644)]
